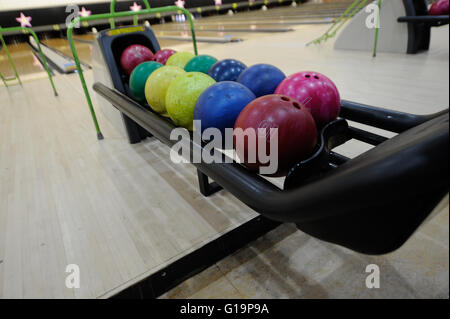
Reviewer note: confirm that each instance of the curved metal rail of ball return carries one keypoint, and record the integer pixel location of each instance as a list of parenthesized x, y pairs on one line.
[(11, 62), (111, 17)]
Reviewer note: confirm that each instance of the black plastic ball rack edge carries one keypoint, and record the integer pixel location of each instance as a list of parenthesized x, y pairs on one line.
[(371, 204)]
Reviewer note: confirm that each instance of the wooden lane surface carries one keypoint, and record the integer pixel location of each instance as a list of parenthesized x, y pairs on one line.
[(62, 45), (27, 65)]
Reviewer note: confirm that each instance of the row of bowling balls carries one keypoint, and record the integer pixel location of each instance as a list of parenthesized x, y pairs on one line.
[(439, 8), (260, 79), (226, 94)]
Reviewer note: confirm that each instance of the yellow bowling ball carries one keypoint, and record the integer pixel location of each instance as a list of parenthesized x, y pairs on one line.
[(182, 95), (180, 59), (157, 84)]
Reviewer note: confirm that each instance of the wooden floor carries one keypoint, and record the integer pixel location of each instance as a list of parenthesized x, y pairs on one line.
[(121, 212), (117, 211)]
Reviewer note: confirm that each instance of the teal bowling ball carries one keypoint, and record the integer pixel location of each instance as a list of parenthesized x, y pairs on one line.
[(139, 76), (200, 63)]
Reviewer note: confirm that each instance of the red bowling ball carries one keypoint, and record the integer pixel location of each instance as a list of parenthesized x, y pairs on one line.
[(134, 55), (297, 132), (315, 91), (163, 55), (439, 8)]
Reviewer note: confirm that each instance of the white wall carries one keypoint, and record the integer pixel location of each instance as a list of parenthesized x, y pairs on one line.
[(393, 36)]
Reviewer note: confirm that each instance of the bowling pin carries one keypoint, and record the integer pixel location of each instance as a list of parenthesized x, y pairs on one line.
[(94, 30), (147, 23), (264, 8), (294, 4), (230, 12)]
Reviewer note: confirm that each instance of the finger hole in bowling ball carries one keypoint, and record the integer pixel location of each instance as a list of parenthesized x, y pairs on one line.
[(316, 77), (295, 104), (307, 76), (284, 98)]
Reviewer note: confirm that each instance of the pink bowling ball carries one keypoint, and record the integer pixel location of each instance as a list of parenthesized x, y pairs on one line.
[(315, 91), (439, 7), (134, 55), (163, 55)]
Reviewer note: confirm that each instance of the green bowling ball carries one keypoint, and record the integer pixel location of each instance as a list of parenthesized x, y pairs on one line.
[(139, 77), (182, 95), (200, 63)]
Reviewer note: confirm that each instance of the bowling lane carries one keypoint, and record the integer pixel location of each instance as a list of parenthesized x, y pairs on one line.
[(223, 29), (247, 24), (166, 37), (246, 16), (26, 63), (239, 32), (176, 37), (84, 50), (305, 11), (84, 37), (273, 20), (267, 20)]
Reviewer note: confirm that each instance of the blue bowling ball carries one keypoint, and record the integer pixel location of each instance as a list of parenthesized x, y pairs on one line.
[(261, 79), (226, 70), (220, 104)]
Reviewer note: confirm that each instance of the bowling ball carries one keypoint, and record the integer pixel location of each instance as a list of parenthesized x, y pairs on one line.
[(439, 8), (162, 55), (297, 132), (139, 77), (182, 95), (134, 55), (315, 91), (200, 63), (157, 84), (180, 59), (220, 104), (226, 70), (261, 79)]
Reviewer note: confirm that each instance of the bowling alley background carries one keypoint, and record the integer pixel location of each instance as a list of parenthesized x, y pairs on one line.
[(45, 14)]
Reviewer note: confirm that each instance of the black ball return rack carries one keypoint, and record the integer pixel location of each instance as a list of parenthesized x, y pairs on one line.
[(371, 204), (419, 24)]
